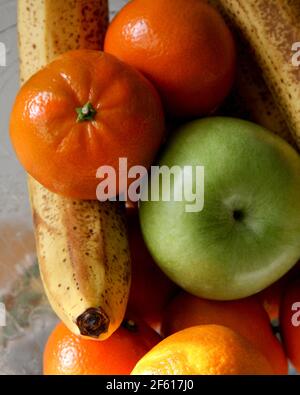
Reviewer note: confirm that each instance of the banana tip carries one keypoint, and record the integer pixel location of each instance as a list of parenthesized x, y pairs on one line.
[(93, 322)]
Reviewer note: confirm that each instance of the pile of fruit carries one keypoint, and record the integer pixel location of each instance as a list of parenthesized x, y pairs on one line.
[(166, 286)]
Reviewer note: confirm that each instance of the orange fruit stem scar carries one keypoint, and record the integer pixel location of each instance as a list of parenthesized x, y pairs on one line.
[(86, 112)]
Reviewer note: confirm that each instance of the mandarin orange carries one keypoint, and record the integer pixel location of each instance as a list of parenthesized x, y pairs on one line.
[(245, 316), (68, 354), (183, 46), (85, 110), (204, 349)]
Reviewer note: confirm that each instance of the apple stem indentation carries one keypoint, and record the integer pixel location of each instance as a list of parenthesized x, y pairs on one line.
[(238, 215)]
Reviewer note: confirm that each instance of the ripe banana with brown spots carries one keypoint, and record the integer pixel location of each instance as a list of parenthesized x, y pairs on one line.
[(82, 246), (271, 28), (250, 97)]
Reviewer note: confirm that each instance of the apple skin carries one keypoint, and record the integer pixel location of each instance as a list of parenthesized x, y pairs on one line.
[(247, 169)]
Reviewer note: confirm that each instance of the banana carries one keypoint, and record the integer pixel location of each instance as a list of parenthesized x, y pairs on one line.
[(82, 246), (84, 260), (253, 99), (250, 97), (257, 97), (48, 28), (270, 28)]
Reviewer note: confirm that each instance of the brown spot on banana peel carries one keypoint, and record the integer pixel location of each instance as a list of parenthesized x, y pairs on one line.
[(293, 7), (92, 35), (93, 322), (39, 222)]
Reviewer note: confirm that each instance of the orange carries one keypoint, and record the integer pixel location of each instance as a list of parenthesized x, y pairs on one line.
[(270, 298), (246, 316), (151, 289), (66, 353), (84, 110), (183, 46), (290, 322), (204, 349), (272, 295)]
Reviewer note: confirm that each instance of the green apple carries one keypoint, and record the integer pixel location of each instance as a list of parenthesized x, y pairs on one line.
[(248, 234)]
